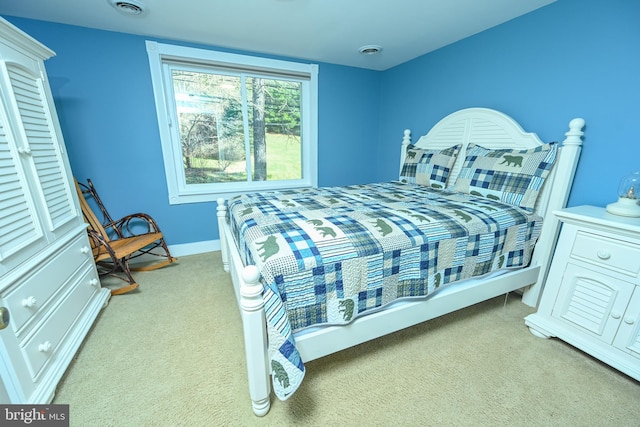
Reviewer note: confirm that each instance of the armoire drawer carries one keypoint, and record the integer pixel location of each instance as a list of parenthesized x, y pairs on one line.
[(612, 254), (31, 295), (45, 342)]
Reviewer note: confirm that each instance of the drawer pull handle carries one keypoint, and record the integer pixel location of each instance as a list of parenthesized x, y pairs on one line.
[(29, 302), (616, 315), (4, 317), (604, 255), (93, 282), (45, 347), (628, 320), (84, 250)]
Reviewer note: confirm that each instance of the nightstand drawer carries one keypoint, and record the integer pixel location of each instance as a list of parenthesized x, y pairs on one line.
[(49, 341), (612, 254), (28, 298)]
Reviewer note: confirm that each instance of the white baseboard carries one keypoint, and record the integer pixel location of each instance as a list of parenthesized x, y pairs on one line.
[(185, 249), (194, 248)]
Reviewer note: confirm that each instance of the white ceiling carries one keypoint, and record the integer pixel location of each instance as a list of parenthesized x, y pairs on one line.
[(316, 30)]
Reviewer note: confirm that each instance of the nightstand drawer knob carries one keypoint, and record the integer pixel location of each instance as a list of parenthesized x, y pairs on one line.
[(84, 250), (93, 282), (616, 315), (45, 347), (29, 302), (604, 255), (628, 320)]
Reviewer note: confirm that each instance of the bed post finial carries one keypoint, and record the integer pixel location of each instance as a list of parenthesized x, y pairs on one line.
[(574, 136)]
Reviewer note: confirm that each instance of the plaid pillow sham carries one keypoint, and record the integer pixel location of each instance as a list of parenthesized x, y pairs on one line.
[(428, 167), (511, 176)]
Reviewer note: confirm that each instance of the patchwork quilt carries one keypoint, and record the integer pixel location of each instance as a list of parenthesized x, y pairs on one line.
[(330, 255)]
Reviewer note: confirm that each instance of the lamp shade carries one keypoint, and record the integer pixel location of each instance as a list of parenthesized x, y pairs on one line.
[(628, 197)]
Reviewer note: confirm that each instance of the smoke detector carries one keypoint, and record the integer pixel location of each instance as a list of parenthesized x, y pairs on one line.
[(129, 7)]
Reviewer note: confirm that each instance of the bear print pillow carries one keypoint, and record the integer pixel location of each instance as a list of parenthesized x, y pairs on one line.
[(511, 176)]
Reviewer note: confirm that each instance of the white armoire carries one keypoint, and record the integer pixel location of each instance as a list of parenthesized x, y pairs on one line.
[(50, 293)]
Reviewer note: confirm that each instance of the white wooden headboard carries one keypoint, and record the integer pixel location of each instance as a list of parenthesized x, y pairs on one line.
[(495, 130), (481, 126)]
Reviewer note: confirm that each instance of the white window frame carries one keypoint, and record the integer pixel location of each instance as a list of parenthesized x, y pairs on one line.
[(179, 191)]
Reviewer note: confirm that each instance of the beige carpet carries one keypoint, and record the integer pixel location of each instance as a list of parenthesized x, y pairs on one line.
[(171, 354)]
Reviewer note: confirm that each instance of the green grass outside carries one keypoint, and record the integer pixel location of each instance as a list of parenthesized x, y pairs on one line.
[(284, 159)]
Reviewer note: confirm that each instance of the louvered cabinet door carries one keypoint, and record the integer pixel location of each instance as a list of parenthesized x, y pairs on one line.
[(37, 179), (42, 147), (21, 234), (592, 302), (628, 336)]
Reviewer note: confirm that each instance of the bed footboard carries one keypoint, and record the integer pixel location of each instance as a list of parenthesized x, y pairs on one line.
[(248, 291)]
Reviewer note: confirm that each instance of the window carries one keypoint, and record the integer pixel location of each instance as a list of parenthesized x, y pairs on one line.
[(233, 123)]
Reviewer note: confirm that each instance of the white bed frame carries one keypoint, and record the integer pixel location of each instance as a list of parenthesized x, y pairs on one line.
[(482, 126)]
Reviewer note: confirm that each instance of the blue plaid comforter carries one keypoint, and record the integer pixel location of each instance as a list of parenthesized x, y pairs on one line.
[(329, 255)]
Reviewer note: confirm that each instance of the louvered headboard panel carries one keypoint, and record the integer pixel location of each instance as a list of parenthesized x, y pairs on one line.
[(482, 126)]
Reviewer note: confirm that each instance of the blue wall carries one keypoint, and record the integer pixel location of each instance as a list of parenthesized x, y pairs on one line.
[(102, 88), (573, 58)]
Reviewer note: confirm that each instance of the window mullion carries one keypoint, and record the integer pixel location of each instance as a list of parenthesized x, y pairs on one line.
[(245, 122)]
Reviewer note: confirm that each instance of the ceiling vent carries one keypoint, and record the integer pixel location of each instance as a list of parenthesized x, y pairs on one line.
[(371, 49), (129, 7)]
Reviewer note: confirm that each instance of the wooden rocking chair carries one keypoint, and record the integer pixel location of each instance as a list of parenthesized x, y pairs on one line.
[(116, 243)]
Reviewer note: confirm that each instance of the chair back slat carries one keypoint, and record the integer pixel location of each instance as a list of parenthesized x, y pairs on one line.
[(89, 217), (90, 190)]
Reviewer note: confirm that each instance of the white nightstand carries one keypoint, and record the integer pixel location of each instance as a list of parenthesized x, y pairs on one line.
[(591, 298)]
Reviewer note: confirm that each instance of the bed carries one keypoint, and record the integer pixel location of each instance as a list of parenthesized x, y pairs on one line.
[(316, 271)]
